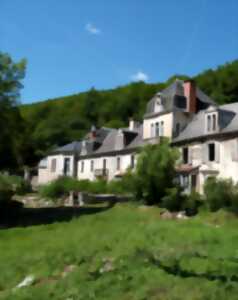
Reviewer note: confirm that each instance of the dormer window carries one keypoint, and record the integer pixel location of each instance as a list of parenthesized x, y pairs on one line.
[(211, 122), (158, 107)]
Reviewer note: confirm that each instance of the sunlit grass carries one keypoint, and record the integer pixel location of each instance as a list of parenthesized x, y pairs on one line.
[(149, 258)]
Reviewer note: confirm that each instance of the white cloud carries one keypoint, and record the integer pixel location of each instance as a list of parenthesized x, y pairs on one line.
[(140, 76), (92, 29)]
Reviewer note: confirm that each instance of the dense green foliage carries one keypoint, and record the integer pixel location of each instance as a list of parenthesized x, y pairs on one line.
[(59, 121), (12, 125), (221, 193), (62, 186), (10, 185), (155, 172), (126, 252)]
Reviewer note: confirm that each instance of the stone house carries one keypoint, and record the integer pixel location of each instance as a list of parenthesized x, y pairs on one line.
[(205, 133)]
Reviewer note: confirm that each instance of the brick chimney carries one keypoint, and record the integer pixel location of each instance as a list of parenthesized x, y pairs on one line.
[(190, 93), (133, 125), (93, 133)]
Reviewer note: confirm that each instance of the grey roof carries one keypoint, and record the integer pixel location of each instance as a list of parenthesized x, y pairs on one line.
[(43, 163), (76, 146), (227, 118), (72, 147), (168, 98)]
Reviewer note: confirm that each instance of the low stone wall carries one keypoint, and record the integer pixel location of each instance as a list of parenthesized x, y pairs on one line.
[(80, 198)]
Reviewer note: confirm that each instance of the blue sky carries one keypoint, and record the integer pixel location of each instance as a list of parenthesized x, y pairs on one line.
[(73, 45)]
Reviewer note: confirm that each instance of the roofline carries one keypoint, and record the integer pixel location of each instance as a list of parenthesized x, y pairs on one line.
[(109, 153), (205, 137)]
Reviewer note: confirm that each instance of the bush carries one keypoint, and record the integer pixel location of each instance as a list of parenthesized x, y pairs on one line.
[(97, 187), (173, 200), (123, 186), (192, 203), (155, 173), (15, 183), (58, 188), (220, 193)]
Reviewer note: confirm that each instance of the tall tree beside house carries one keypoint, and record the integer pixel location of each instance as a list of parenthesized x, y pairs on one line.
[(155, 172), (12, 125)]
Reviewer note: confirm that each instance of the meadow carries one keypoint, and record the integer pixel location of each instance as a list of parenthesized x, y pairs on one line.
[(125, 252)]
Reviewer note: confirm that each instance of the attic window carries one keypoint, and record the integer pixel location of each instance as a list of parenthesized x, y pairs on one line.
[(212, 122)]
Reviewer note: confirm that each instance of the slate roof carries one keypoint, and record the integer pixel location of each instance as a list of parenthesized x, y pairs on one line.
[(72, 147), (76, 146), (227, 118), (172, 93)]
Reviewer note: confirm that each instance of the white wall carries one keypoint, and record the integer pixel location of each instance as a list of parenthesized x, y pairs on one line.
[(168, 125), (46, 175), (225, 166), (125, 162)]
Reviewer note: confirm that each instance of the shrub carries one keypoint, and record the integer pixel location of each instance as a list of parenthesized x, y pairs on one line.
[(57, 188), (123, 186), (220, 193), (97, 187), (173, 199), (192, 203), (155, 172), (15, 183)]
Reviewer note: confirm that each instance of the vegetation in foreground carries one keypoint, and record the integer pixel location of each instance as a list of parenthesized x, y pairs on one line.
[(127, 252)]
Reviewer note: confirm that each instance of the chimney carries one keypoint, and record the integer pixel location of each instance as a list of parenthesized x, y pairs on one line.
[(93, 133), (190, 94), (133, 125)]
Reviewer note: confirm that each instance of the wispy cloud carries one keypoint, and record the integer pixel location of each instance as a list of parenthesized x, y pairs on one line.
[(92, 29), (140, 76)]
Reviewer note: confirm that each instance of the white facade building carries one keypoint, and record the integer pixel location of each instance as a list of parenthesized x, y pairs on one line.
[(206, 134)]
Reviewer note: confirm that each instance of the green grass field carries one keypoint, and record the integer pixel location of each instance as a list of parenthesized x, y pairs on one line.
[(126, 252)]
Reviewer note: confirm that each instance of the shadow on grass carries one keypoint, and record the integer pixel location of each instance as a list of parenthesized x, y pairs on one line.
[(24, 217)]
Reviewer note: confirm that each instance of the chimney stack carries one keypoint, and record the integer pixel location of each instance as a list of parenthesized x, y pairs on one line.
[(133, 125), (93, 133), (190, 94)]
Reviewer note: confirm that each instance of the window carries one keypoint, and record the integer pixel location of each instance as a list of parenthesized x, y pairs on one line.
[(214, 122), (152, 130), (92, 165), (162, 128), (209, 123), (184, 181), (82, 166), (67, 166), (177, 129), (185, 155), (118, 163), (211, 152), (194, 181), (53, 165), (132, 161), (104, 164), (157, 129)]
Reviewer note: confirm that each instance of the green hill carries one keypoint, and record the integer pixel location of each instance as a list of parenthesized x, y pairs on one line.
[(59, 121)]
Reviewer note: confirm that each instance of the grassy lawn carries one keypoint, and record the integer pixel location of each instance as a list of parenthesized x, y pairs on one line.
[(126, 252)]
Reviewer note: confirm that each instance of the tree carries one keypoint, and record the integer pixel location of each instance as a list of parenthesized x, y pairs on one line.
[(11, 122), (155, 172)]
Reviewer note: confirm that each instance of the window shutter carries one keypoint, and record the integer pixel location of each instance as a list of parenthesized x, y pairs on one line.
[(217, 152), (205, 153), (190, 155), (234, 150)]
